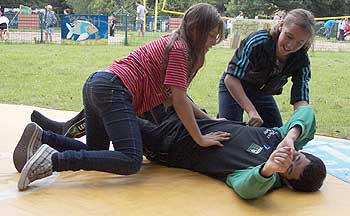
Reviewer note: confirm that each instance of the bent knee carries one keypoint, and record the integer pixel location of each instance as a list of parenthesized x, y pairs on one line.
[(134, 167)]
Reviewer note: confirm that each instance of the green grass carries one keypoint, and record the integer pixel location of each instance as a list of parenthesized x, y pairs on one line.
[(52, 76)]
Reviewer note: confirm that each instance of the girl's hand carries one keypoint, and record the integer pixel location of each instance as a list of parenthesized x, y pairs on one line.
[(214, 139), (254, 119)]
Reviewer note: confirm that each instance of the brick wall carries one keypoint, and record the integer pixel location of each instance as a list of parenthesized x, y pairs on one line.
[(174, 23), (28, 21)]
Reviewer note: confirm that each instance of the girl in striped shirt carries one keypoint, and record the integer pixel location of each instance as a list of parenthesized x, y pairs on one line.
[(113, 98)]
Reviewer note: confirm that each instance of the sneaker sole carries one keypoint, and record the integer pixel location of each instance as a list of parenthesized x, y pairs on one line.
[(23, 148), (23, 181)]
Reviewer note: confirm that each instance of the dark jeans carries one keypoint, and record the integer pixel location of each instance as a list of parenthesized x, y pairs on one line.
[(264, 104), (328, 32), (109, 117)]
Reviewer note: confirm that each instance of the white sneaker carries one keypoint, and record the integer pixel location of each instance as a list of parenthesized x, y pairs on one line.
[(28, 144), (37, 167)]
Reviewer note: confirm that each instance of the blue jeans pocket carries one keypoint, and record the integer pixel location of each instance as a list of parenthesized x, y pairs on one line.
[(102, 98)]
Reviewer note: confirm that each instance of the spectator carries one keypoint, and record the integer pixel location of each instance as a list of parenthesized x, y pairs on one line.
[(113, 26), (140, 16), (4, 24), (2, 10), (50, 23), (329, 26), (347, 29), (341, 29)]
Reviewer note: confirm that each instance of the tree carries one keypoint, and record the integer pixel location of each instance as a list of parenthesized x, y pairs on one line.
[(320, 8), (250, 8)]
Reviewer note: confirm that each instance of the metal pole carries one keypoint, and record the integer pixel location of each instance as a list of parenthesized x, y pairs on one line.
[(155, 16), (126, 30), (41, 27)]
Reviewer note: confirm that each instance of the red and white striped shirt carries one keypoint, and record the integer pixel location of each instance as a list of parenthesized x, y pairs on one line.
[(141, 72)]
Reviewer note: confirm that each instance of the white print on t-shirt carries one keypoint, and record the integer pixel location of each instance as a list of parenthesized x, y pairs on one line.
[(269, 133)]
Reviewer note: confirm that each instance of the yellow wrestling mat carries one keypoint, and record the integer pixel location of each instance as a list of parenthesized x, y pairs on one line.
[(155, 190)]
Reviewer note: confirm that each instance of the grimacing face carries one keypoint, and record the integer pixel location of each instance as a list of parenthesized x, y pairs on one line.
[(297, 167), (291, 39)]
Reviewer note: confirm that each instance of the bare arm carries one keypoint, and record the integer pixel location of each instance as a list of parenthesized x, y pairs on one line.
[(289, 140), (184, 109), (236, 90)]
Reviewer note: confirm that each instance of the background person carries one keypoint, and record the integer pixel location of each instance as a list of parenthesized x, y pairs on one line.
[(113, 26), (4, 27), (329, 26), (50, 23), (341, 29), (140, 17)]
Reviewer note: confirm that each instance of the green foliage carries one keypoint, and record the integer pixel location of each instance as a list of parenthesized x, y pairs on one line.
[(58, 5), (80, 7), (250, 8), (244, 27), (320, 8)]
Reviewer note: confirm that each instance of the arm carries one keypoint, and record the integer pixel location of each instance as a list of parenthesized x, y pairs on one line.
[(237, 69), (304, 119), (300, 87), (254, 182), (250, 184), (184, 110), (292, 135), (236, 90)]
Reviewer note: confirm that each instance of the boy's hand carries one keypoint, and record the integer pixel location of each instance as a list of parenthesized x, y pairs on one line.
[(279, 161)]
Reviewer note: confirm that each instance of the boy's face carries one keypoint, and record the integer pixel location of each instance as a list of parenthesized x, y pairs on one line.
[(297, 167)]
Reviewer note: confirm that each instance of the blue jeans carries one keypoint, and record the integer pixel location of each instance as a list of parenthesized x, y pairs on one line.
[(109, 118), (265, 105), (328, 32)]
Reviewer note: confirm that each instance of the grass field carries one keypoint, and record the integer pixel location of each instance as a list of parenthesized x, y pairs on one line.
[(52, 76)]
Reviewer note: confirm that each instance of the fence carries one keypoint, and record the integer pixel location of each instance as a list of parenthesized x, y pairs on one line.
[(29, 29)]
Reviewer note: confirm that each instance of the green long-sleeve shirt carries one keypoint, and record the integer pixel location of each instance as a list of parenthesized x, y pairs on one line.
[(249, 183)]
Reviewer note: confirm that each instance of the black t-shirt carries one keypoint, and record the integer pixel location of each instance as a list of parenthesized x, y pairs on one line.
[(248, 146)]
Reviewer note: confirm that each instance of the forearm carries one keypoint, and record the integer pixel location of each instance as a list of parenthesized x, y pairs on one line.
[(294, 133), (304, 119), (184, 110), (236, 90), (249, 183)]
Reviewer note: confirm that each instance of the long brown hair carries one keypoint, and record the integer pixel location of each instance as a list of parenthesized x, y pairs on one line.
[(196, 24), (302, 18)]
